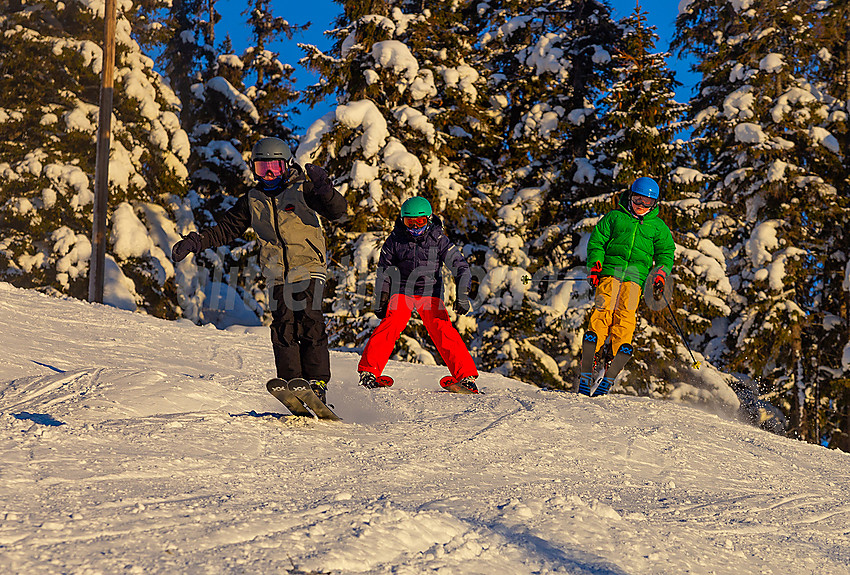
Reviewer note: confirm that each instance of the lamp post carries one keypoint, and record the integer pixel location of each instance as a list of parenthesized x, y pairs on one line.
[(101, 175)]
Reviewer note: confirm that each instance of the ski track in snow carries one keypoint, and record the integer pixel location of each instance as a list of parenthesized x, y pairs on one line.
[(138, 445)]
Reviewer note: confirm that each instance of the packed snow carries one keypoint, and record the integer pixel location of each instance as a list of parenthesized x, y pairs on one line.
[(139, 445)]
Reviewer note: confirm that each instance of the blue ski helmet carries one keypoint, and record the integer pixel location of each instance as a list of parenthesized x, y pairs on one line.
[(646, 187)]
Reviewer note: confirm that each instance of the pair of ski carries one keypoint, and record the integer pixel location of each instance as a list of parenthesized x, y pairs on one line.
[(299, 398), (596, 380), (448, 383)]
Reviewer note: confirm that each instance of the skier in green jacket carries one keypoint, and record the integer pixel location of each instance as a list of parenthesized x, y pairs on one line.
[(623, 248)]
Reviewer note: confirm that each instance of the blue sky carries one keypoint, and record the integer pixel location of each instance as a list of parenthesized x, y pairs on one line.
[(661, 14)]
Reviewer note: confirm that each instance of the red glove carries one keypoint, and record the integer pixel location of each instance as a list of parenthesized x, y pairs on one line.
[(658, 283), (593, 276)]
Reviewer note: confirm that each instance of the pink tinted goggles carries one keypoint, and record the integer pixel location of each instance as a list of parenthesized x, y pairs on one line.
[(269, 169)]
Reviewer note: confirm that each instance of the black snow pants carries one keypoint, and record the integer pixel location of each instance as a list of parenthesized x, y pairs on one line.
[(299, 339)]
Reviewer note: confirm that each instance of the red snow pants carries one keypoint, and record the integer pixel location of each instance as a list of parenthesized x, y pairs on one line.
[(436, 319)]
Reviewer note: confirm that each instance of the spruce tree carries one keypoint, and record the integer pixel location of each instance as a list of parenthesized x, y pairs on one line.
[(827, 50), (49, 107), (760, 122), (273, 90), (549, 63), (642, 123), (229, 102)]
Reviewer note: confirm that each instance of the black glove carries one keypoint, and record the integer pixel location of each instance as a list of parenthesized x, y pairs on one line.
[(383, 306), (322, 186), (462, 305), (190, 243)]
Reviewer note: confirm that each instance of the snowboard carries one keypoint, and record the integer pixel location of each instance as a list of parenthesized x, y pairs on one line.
[(298, 397), (450, 384)]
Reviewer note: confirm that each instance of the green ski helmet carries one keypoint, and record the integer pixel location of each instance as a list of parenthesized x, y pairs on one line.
[(415, 207)]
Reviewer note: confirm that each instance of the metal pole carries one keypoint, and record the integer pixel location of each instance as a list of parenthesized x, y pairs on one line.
[(526, 279), (696, 364), (101, 174)]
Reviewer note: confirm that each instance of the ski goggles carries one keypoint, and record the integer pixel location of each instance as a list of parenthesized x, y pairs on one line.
[(643, 201), (415, 222), (269, 169)]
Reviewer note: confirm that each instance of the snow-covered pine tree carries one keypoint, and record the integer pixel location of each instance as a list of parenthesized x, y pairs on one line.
[(829, 44), (549, 63), (410, 116), (180, 36), (48, 121), (759, 121), (273, 91), (243, 99), (826, 48)]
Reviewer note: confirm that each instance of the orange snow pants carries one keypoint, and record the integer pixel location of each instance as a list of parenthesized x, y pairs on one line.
[(615, 312), (433, 312)]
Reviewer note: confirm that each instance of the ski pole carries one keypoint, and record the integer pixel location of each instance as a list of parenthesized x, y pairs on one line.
[(526, 279), (681, 334)]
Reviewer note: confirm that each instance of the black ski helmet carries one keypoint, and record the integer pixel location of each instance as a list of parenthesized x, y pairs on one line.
[(271, 149)]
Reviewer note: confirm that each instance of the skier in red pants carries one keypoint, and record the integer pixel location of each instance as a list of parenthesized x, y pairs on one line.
[(410, 278)]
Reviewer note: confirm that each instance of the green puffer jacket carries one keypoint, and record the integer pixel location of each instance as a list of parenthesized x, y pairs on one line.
[(628, 245)]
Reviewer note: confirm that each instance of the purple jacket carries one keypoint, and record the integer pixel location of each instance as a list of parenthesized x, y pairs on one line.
[(413, 265)]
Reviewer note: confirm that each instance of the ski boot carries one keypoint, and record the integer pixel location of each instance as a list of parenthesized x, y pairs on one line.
[(469, 383), (368, 380), (588, 353), (602, 359), (320, 388)]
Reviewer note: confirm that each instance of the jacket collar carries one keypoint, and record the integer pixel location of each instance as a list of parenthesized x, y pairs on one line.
[(295, 177)]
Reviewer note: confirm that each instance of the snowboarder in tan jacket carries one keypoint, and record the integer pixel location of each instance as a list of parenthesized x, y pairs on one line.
[(283, 209)]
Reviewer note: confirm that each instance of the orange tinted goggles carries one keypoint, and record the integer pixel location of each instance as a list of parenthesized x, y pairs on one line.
[(643, 201), (417, 222)]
